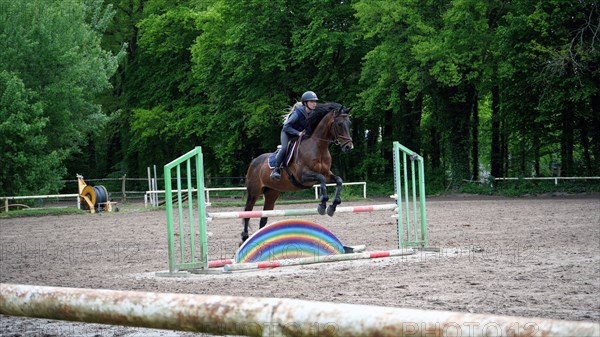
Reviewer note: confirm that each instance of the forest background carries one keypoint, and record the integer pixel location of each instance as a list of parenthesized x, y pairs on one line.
[(507, 88)]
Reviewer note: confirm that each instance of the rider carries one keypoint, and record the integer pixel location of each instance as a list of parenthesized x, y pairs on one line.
[(295, 121)]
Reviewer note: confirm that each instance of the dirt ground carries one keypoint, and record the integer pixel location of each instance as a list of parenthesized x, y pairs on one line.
[(532, 257)]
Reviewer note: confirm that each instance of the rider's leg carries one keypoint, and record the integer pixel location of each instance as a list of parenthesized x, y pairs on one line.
[(276, 174)]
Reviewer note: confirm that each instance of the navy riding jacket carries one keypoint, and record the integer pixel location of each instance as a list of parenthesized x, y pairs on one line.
[(296, 121)]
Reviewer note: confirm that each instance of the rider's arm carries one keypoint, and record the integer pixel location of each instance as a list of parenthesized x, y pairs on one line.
[(288, 126)]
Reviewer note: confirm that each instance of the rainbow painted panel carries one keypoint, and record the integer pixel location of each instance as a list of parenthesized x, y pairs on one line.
[(289, 239)]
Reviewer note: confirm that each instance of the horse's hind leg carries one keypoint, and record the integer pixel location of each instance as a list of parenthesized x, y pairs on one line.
[(337, 199), (270, 198)]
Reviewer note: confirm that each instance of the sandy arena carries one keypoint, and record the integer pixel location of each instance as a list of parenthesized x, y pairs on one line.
[(531, 257)]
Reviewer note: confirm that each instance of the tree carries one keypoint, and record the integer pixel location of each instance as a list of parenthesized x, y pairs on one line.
[(52, 49), (548, 79), (427, 48), (254, 58), (392, 81), (28, 166), (240, 63)]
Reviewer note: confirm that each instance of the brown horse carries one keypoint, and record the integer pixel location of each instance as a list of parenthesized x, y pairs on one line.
[(310, 164)]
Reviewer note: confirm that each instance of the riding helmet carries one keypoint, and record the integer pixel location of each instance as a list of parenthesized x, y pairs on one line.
[(309, 96)]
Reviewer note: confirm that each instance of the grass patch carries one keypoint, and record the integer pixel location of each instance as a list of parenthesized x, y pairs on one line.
[(28, 212), (517, 188)]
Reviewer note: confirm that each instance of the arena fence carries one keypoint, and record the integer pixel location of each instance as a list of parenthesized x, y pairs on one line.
[(255, 316)]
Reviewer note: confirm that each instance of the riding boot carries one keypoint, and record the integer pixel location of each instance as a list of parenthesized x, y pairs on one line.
[(276, 174)]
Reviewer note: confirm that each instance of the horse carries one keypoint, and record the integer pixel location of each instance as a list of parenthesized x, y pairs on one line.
[(310, 164)]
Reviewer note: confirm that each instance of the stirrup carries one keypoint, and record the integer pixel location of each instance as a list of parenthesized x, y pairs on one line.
[(276, 174)]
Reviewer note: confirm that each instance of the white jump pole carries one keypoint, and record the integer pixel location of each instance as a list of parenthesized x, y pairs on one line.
[(317, 259)]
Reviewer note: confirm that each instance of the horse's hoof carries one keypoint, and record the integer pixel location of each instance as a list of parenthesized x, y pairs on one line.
[(321, 209), (244, 236), (330, 210)]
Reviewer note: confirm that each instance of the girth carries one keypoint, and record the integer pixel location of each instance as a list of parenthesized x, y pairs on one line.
[(295, 181)]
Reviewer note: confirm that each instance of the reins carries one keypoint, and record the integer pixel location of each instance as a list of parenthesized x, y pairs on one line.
[(335, 139)]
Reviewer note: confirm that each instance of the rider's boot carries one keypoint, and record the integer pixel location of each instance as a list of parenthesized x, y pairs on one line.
[(276, 174)]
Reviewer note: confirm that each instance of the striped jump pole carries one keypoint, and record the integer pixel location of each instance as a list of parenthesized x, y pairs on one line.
[(219, 263), (296, 212), (317, 259)]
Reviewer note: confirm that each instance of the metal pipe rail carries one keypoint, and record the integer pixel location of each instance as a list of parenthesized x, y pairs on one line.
[(250, 316)]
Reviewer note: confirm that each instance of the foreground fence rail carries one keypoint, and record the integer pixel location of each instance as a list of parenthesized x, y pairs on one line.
[(266, 316)]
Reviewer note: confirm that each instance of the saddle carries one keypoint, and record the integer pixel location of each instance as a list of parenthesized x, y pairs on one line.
[(291, 147)]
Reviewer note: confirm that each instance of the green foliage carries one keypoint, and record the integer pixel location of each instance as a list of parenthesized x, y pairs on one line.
[(29, 165), (519, 188), (542, 44), (50, 58), (435, 181), (460, 82), (380, 189)]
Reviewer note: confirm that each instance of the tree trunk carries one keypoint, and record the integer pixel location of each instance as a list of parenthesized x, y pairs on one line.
[(566, 143), (504, 146), (409, 124), (496, 155), (595, 127), (386, 137), (585, 144), (536, 160), (458, 115), (473, 102)]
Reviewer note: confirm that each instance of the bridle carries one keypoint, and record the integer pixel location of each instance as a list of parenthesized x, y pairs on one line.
[(338, 138)]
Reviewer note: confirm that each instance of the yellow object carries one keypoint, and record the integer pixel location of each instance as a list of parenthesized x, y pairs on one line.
[(88, 195)]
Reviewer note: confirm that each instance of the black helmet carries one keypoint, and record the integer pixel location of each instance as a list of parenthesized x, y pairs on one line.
[(309, 96)]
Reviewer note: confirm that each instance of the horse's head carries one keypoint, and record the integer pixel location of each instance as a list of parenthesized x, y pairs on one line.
[(331, 122), (340, 129)]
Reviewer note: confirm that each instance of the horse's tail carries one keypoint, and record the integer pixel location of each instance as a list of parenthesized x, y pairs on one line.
[(252, 169)]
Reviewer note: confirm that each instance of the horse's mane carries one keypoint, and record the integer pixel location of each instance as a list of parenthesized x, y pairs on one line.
[(315, 117)]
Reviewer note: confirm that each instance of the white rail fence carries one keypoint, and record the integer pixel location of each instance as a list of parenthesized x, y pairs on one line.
[(153, 201), (150, 197), (27, 197), (556, 179)]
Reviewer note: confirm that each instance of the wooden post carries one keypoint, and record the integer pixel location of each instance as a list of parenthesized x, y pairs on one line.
[(123, 194)]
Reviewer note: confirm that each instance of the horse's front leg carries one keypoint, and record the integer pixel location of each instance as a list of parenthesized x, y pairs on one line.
[(246, 223), (321, 179), (338, 191)]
